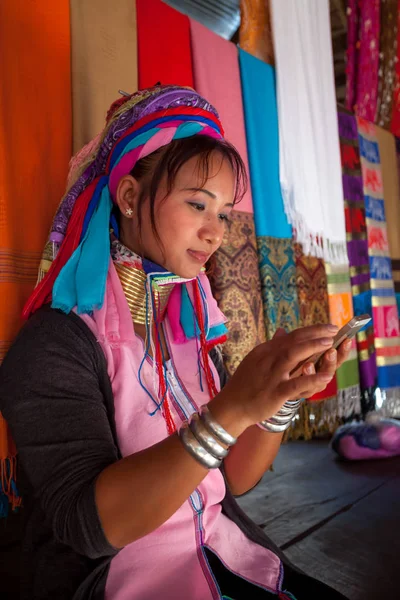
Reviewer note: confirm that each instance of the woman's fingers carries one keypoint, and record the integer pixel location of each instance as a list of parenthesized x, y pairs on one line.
[(290, 356), (343, 352), (303, 387), (313, 332), (329, 363)]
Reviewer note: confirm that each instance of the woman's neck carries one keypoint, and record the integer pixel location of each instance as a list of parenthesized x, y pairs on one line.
[(145, 304)]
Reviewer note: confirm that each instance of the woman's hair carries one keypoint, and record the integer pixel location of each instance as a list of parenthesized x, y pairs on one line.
[(167, 161)]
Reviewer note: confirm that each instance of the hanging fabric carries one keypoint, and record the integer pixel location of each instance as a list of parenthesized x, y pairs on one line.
[(310, 172), (103, 61), (212, 79), (387, 58), (164, 53), (340, 313), (319, 414), (234, 275), (255, 31), (363, 37), (394, 243), (34, 104), (390, 178), (357, 245), (395, 123), (235, 281), (384, 306), (274, 234)]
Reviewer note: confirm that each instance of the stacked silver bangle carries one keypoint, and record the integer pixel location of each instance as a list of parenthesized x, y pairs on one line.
[(205, 439), (282, 419)]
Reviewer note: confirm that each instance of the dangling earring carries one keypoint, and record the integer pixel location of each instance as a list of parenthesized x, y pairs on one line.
[(129, 212)]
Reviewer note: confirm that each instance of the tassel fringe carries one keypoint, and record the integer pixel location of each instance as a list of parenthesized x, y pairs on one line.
[(324, 417)]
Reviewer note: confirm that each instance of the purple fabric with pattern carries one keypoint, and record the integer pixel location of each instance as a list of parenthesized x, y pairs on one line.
[(358, 253), (348, 126), (353, 188)]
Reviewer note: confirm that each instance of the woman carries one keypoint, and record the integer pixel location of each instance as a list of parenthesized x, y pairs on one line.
[(128, 500)]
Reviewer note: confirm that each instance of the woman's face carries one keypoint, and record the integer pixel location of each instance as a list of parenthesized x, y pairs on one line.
[(190, 222)]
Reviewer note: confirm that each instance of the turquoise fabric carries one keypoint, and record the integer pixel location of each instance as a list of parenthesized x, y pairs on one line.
[(82, 280), (261, 119)]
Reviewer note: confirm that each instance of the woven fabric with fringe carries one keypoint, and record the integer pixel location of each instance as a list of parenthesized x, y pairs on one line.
[(319, 414), (357, 246), (384, 304)]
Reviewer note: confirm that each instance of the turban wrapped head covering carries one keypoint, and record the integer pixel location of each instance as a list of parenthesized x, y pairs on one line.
[(75, 261)]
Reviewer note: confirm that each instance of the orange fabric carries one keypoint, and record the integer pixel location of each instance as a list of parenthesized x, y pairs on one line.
[(35, 147), (340, 308), (255, 33)]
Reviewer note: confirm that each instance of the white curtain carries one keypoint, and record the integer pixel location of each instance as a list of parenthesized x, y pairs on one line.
[(310, 166)]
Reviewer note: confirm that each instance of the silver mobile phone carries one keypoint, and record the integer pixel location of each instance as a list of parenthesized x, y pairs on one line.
[(348, 331)]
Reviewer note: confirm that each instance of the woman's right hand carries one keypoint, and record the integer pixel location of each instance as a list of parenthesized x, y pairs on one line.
[(263, 383)]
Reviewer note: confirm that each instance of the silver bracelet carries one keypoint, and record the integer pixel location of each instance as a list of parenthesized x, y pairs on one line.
[(196, 449), (282, 419), (215, 428), (205, 438)]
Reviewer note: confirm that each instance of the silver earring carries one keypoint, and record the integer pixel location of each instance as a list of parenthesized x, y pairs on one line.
[(129, 212)]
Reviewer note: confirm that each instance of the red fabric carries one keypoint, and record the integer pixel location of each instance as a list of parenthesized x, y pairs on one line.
[(164, 52), (329, 392)]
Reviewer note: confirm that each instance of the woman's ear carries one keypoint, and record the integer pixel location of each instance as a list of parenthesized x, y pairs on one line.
[(127, 196)]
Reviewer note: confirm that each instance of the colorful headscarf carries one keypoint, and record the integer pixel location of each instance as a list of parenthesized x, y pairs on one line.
[(75, 262)]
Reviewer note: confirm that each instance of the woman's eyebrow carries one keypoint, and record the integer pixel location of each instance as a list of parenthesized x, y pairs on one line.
[(206, 192)]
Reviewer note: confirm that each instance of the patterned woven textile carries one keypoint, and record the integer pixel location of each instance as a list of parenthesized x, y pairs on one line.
[(235, 281), (357, 245), (394, 252), (363, 36), (36, 101), (390, 177), (388, 58), (384, 306), (395, 123), (278, 279), (255, 32), (319, 414)]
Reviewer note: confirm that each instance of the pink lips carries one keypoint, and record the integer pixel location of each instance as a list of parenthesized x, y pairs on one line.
[(201, 257)]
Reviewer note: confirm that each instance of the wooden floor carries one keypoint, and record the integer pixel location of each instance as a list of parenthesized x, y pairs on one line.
[(339, 522)]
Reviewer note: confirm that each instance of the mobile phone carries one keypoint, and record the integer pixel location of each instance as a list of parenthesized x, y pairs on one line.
[(348, 332)]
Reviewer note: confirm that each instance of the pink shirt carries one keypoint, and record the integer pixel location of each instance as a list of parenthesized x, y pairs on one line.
[(169, 563)]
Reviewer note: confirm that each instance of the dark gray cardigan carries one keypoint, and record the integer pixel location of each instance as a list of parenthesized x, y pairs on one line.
[(56, 395)]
